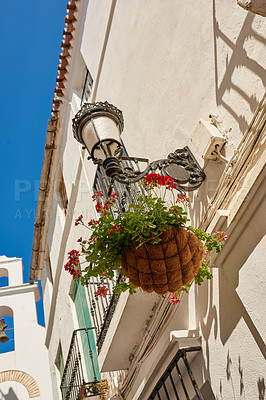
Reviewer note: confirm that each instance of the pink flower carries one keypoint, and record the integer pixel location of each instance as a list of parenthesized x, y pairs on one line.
[(221, 236), (174, 299), (102, 291)]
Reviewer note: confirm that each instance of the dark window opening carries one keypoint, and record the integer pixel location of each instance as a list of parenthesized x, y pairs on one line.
[(59, 361), (87, 88)]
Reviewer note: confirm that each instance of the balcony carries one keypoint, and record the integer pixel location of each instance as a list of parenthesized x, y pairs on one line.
[(119, 320), (101, 309), (81, 378), (178, 381)]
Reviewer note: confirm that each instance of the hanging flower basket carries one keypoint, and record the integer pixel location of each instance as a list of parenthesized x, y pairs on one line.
[(158, 252), (165, 266)]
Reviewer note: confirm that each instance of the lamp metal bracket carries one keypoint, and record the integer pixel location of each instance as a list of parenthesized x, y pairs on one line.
[(181, 165)]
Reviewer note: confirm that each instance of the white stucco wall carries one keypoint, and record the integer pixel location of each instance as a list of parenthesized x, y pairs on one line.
[(30, 355), (167, 65)]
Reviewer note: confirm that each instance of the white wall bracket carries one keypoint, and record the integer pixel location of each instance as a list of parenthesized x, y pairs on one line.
[(209, 141)]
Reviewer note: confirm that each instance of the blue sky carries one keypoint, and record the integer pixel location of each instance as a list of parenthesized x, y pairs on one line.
[(31, 34)]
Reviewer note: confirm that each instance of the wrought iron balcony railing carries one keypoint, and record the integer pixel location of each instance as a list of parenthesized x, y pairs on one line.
[(101, 309), (81, 377), (178, 380)]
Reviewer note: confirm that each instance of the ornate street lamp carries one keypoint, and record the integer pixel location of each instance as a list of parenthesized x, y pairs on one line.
[(98, 127)]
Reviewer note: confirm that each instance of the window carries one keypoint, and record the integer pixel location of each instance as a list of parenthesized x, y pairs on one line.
[(87, 87), (59, 361)]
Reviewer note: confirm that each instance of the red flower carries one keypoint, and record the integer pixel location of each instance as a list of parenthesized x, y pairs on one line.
[(96, 195), (161, 180), (102, 291), (114, 195), (72, 266), (79, 240), (78, 220), (116, 227), (183, 198), (98, 206)]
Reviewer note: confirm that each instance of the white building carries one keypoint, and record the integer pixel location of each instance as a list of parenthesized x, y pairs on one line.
[(24, 372), (169, 66)]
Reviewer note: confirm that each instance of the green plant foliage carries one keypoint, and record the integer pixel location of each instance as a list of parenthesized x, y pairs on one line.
[(155, 211)]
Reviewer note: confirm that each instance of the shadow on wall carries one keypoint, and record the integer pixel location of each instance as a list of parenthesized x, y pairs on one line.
[(239, 58), (229, 377), (261, 388), (244, 245), (209, 323), (239, 389), (11, 395)]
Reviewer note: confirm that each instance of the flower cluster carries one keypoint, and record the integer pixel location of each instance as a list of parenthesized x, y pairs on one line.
[(103, 207), (156, 180), (72, 265), (183, 198), (221, 236), (115, 228), (93, 222), (174, 299), (97, 195), (102, 291)]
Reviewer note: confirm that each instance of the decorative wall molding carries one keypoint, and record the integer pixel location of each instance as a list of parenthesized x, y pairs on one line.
[(247, 156), (23, 378)]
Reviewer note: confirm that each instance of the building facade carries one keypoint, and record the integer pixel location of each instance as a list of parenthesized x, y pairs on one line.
[(181, 74), (24, 372)]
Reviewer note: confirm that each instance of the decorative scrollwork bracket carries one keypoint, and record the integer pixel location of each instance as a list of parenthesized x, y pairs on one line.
[(181, 165)]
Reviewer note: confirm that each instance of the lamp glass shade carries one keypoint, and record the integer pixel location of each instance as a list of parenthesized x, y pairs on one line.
[(101, 136)]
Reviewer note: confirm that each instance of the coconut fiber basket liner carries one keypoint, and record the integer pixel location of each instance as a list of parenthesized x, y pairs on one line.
[(166, 266)]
